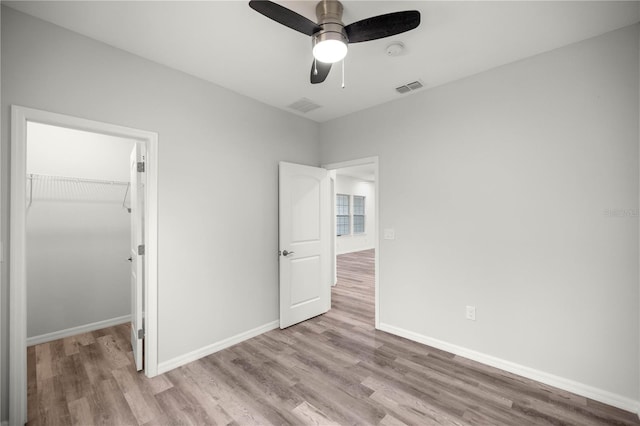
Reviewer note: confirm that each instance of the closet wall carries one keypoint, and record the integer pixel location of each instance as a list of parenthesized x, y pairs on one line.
[(78, 232)]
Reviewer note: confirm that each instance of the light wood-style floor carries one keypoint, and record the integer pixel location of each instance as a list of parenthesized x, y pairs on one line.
[(332, 369)]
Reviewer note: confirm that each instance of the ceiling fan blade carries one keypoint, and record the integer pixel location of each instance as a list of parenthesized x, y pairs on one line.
[(323, 72), (382, 26), (284, 16)]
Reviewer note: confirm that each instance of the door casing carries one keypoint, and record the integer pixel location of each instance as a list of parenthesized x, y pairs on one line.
[(20, 116)]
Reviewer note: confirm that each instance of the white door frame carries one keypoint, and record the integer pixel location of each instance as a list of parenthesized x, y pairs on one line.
[(362, 162), (17, 262)]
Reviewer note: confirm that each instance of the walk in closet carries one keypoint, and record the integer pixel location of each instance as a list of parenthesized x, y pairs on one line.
[(78, 232)]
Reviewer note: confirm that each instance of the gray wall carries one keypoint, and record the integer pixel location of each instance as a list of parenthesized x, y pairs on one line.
[(499, 188), (76, 263), (209, 230)]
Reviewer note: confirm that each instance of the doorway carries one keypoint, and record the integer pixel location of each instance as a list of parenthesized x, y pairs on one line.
[(24, 121), (355, 220), (78, 232)]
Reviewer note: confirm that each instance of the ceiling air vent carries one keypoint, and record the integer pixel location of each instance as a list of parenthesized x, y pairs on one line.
[(304, 105), (409, 87)]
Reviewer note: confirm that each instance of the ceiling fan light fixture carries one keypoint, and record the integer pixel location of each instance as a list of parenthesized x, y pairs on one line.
[(330, 47), (330, 37)]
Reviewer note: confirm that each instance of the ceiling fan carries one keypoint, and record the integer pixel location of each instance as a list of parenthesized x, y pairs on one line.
[(330, 36)]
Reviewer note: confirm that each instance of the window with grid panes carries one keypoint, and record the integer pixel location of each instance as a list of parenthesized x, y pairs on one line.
[(342, 215), (358, 214)]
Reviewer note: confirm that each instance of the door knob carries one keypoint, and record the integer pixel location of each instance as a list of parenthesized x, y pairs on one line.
[(130, 259), (287, 253)]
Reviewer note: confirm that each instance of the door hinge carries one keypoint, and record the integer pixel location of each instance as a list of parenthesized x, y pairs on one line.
[(141, 333), (141, 167), (141, 249)]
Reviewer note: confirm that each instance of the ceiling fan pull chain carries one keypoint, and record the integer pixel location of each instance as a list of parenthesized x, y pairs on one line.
[(343, 73)]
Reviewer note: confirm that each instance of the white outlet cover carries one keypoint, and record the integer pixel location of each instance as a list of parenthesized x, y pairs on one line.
[(471, 313), (389, 234)]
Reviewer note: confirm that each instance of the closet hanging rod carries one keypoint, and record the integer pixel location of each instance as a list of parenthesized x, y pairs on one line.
[(76, 179)]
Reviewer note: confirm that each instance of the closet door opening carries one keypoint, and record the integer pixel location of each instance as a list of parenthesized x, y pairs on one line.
[(83, 254), (78, 231)]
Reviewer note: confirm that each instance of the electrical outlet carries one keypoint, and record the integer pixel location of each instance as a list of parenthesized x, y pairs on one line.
[(471, 313)]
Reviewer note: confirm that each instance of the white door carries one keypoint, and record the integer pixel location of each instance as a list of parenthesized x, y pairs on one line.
[(136, 255), (305, 236)]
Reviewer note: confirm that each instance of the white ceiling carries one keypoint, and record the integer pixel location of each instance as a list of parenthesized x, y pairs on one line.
[(365, 172), (229, 44)]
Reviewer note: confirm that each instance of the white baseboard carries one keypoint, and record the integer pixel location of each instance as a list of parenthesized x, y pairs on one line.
[(165, 366), (44, 338), (587, 391)]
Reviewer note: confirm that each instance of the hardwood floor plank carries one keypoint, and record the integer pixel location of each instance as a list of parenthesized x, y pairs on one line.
[(193, 392), (32, 385), (140, 399), (205, 377), (335, 404), (181, 410), (310, 415), (612, 414), (109, 405), (75, 381), (70, 346), (85, 339), (454, 385), (332, 369), (80, 412), (389, 420), (94, 363), (44, 369), (409, 415), (113, 353), (157, 384), (252, 389)]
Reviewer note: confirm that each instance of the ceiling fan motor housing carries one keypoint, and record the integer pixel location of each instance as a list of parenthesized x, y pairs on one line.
[(329, 13)]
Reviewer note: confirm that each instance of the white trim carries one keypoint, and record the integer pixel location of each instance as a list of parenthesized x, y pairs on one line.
[(578, 388), (2, 266), (17, 262), (151, 256), (178, 361), (17, 271), (376, 173), (73, 331)]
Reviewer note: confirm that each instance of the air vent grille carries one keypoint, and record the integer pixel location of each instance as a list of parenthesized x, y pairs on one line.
[(304, 105), (415, 85)]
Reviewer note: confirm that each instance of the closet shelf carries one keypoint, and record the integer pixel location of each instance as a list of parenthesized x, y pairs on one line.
[(74, 189)]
